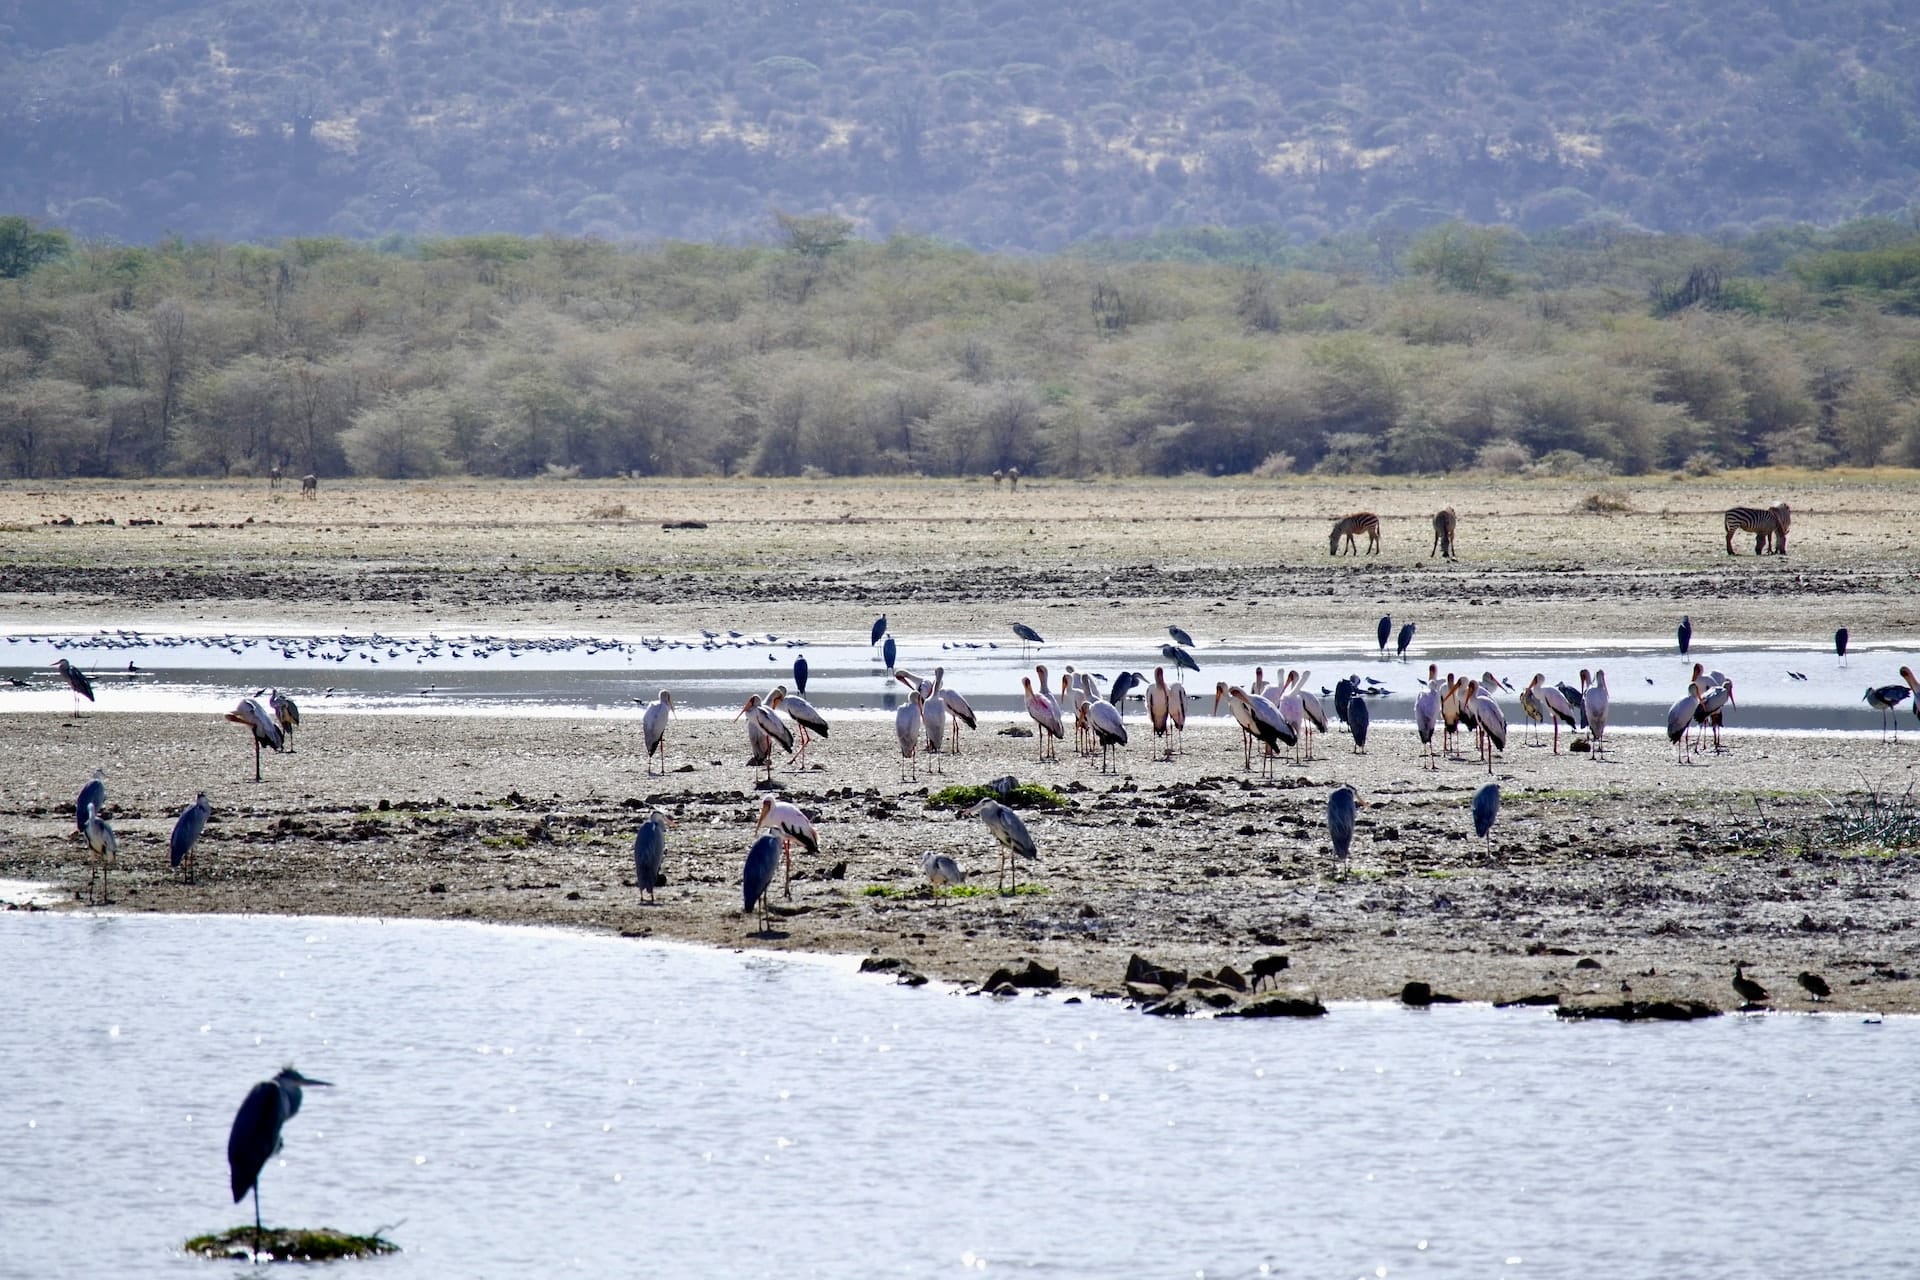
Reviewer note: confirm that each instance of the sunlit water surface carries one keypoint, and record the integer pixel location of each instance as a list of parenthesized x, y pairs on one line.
[(519, 1102)]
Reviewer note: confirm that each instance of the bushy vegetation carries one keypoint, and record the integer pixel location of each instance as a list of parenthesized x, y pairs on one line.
[(496, 355), (1029, 124)]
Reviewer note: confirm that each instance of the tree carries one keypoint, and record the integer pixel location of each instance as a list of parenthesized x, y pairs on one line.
[(1463, 257), (23, 247)]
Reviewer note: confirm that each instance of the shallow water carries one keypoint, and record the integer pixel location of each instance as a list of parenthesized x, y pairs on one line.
[(525, 1102), (420, 673)]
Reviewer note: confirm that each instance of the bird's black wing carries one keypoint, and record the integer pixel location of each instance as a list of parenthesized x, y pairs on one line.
[(255, 1135)]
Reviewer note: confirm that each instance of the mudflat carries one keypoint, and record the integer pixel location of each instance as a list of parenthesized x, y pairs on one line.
[(1624, 877)]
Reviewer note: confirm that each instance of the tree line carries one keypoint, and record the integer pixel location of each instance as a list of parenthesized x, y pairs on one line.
[(1603, 351)]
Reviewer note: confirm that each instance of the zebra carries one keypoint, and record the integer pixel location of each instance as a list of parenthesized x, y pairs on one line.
[(1768, 525), (1350, 527), (1443, 522)]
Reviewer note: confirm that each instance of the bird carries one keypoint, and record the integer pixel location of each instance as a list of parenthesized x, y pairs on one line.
[(1491, 720), (653, 728), (1046, 716), (1597, 701), (1746, 988), (1712, 709), (649, 853), (764, 729), (791, 824), (1177, 714), (756, 878), (1555, 705), (906, 728), (1384, 632), (1913, 687), (1160, 710), (1358, 718), (1010, 831), (811, 723), (1884, 700), (105, 849), (1027, 636), (1680, 719), (888, 651), (186, 834), (800, 674), (265, 729), (1685, 634), (1181, 638), (76, 681), (1406, 638), (1486, 807), (1426, 718), (1815, 985), (286, 714), (92, 796), (879, 628), (1109, 730), (1340, 807), (1179, 657), (941, 870), (956, 704), (255, 1136), (1840, 645)]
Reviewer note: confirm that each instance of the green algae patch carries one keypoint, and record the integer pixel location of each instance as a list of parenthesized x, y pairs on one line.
[(1028, 795), (282, 1244)]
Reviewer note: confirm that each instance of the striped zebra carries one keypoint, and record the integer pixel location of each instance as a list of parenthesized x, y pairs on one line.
[(1768, 525), (1352, 526), (1443, 522)]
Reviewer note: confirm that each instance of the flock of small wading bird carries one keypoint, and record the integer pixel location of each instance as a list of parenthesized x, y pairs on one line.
[(1283, 714)]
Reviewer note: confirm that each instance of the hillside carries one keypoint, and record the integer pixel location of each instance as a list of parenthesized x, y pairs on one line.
[(1022, 124)]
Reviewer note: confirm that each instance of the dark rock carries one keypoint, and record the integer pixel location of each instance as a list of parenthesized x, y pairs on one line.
[(1542, 949), (683, 524), (1417, 995), (909, 978), (1145, 992), (1218, 999), (1171, 1007), (1005, 785), (1004, 989), (881, 964), (1586, 962), (769, 784), (436, 887), (1141, 969), (1640, 1011), (1016, 731), (1228, 976), (1523, 1002), (1036, 975), (1279, 1007), (838, 871)]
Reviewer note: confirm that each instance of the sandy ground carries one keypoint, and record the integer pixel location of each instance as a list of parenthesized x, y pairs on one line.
[(1635, 878)]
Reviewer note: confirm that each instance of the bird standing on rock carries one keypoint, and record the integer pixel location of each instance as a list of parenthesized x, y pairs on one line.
[(255, 1136)]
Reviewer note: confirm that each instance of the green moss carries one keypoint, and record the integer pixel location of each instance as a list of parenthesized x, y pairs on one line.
[(879, 891), (1028, 795), (283, 1245)]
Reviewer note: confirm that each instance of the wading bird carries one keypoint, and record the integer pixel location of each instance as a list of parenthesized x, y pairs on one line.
[(1492, 722), (92, 796), (1680, 720), (1913, 686), (653, 728), (889, 651), (1597, 700), (1685, 635), (1713, 708), (1384, 632), (286, 714), (649, 853), (800, 674), (1046, 716), (1242, 711), (1340, 807), (1815, 986), (1015, 841), (1109, 730), (956, 704), (756, 878), (1426, 718), (764, 729), (105, 850), (811, 723), (1181, 638), (1180, 658), (1160, 710), (1358, 719), (941, 870), (1486, 807), (1028, 636), (1406, 638), (1840, 645), (255, 1136), (77, 681), (263, 727), (879, 629), (1884, 700), (1177, 714), (906, 729), (186, 834), (791, 824)]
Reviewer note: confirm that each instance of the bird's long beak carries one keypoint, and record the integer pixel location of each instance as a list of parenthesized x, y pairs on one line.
[(744, 707)]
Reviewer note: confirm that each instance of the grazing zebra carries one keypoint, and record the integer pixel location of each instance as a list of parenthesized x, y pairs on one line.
[(1768, 525), (1350, 527), (310, 486), (1443, 522)]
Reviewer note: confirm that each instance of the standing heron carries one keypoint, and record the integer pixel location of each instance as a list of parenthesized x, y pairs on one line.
[(800, 674), (1884, 700), (791, 824), (92, 796), (1384, 632), (810, 722), (1680, 720), (104, 850), (649, 853), (1015, 841), (1028, 636), (906, 729), (286, 714), (1406, 638), (77, 681), (1685, 635), (1181, 638), (879, 629), (1109, 730), (653, 728), (1597, 701), (1840, 645), (261, 724), (1180, 658), (1046, 716), (756, 878), (1358, 721), (941, 870), (186, 834), (1340, 807), (1486, 807), (888, 651), (255, 1136)]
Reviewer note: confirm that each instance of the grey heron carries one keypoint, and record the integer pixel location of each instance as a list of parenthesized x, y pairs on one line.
[(1028, 636), (104, 850), (1340, 814), (649, 853), (879, 629), (92, 796), (1010, 831), (76, 680), (1406, 638), (1884, 700), (1358, 719), (1486, 807), (186, 834), (756, 878), (1181, 638), (1179, 657), (791, 824), (255, 1136), (261, 724), (653, 728), (941, 870), (1384, 632)]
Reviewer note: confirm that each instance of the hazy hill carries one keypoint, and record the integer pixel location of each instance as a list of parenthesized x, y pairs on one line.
[(999, 123)]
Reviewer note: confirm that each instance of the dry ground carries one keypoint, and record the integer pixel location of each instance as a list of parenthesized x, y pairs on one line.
[(1663, 876)]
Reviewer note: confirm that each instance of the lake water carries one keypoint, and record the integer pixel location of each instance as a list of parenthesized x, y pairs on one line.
[(529, 1103), (577, 676)]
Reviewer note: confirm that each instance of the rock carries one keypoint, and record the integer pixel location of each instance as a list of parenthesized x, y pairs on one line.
[(911, 978), (1141, 969), (1036, 975), (1016, 731), (683, 524), (1524, 1002), (1279, 1007), (1146, 992), (838, 871), (1586, 962), (881, 964), (1005, 785), (436, 887), (1228, 976), (1171, 1007), (1218, 999), (1640, 1011), (1418, 995), (769, 784)]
